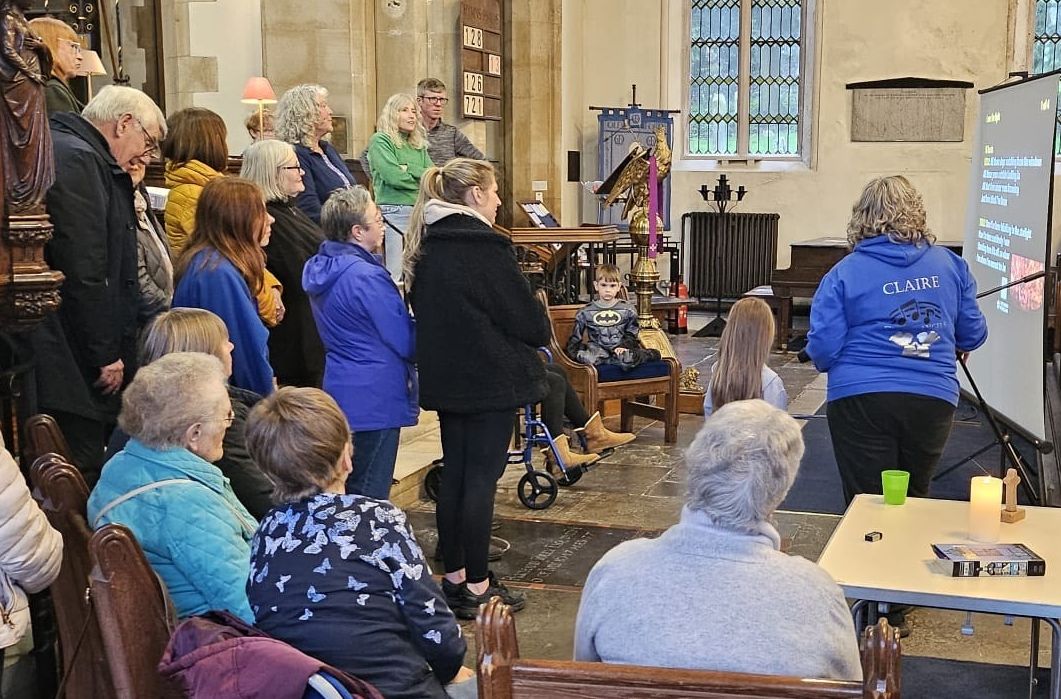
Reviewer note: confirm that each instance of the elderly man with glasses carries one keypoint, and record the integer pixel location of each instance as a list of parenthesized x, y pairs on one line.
[(85, 351)]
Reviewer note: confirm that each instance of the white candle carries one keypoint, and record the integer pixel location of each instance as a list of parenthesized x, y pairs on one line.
[(985, 504)]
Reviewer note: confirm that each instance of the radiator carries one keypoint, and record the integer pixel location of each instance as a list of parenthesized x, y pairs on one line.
[(729, 254)]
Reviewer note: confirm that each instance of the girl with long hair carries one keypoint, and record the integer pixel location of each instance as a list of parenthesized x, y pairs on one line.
[(478, 327), (398, 158), (740, 371), (223, 268)]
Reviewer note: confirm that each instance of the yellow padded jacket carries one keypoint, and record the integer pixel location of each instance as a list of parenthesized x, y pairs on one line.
[(185, 182)]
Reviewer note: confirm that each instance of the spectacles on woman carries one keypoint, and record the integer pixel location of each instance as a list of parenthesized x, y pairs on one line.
[(76, 47), (293, 167), (228, 419)]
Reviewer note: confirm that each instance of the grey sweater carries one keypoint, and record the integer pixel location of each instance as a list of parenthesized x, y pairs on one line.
[(704, 597)]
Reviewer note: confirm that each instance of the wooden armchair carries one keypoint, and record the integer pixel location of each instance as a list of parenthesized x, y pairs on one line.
[(503, 674), (593, 392), (134, 613), (63, 496)]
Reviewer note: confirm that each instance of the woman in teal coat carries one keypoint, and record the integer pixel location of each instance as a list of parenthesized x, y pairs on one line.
[(163, 486)]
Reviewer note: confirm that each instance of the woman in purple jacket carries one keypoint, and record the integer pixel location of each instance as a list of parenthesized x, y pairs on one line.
[(368, 337)]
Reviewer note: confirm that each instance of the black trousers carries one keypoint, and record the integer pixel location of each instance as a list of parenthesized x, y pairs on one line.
[(562, 401), (874, 432), (87, 439), (474, 450)]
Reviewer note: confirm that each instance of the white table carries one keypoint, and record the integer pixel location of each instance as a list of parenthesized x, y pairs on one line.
[(899, 568)]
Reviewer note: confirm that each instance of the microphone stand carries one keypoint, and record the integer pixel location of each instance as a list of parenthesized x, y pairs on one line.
[(1009, 452)]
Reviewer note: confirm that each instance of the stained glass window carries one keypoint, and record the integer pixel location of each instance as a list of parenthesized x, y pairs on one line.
[(1046, 51), (745, 63)]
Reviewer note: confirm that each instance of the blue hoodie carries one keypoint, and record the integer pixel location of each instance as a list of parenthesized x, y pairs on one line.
[(368, 337), (890, 317)]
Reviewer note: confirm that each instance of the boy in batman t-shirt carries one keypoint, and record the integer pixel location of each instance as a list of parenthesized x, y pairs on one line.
[(610, 327)]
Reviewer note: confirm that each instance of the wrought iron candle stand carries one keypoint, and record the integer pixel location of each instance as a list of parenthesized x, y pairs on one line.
[(723, 197)]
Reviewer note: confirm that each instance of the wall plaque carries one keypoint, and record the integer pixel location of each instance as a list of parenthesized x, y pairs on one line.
[(481, 59), (908, 109)]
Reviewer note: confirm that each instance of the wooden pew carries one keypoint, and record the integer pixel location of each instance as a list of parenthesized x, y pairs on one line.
[(63, 496), (134, 612), (503, 674)]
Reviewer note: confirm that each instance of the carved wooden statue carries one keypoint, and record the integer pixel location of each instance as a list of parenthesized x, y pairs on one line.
[(25, 64), (28, 289)]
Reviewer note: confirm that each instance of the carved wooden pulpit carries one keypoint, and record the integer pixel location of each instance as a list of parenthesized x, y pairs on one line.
[(28, 289)]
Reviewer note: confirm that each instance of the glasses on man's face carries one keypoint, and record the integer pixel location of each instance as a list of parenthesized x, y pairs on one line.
[(150, 144), (435, 100)]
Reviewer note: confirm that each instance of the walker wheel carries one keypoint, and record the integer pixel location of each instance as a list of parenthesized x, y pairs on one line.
[(432, 480), (570, 478), (537, 490)]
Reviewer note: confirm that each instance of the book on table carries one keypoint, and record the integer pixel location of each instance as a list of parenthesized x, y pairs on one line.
[(974, 560)]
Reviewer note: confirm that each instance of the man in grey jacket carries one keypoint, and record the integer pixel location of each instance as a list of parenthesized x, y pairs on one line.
[(444, 141), (715, 592)]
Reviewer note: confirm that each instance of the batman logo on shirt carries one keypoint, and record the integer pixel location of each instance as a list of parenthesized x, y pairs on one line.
[(607, 318)]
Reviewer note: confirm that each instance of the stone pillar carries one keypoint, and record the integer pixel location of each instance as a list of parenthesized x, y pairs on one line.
[(185, 74), (533, 95), (332, 46)]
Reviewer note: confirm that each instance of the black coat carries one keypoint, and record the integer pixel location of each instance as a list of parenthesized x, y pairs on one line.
[(295, 348), (478, 326), (94, 245)]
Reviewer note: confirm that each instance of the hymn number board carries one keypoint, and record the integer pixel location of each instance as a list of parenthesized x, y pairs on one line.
[(481, 42), (618, 129)]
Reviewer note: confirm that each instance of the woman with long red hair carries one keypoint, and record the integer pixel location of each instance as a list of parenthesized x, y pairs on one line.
[(222, 269)]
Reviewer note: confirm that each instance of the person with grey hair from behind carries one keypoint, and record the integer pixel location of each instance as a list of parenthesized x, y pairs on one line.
[(715, 592), (368, 336), (85, 352)]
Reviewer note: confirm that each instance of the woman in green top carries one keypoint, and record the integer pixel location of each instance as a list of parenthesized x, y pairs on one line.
[(397, 155)]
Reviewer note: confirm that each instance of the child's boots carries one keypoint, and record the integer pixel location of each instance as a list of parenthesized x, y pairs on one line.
[(599, 438), (571, 459)]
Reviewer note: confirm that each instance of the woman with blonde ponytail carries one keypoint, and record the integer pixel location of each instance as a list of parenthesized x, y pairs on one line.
[(478, 327)]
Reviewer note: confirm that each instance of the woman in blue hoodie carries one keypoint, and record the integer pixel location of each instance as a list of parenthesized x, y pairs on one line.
[(368, 337), (887, 324)]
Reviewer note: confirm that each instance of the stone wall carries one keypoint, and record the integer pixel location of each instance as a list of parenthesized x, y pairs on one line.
[(619, 42)]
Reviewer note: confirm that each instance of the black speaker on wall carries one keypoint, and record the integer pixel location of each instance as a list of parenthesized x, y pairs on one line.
[(574, 166)]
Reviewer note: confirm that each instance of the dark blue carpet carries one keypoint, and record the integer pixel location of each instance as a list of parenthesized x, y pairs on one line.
[(932, 678), (817, 487)]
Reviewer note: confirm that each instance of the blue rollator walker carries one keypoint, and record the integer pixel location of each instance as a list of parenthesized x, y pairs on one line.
[(537, 490)]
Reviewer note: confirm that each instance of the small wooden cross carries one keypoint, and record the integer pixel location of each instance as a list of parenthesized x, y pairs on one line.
[(1011, 513)]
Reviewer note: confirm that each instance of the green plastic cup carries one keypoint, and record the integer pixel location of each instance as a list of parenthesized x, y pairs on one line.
[(895, 484)]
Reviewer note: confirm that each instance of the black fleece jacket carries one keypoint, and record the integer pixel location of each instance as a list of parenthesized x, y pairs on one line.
[(478, 326)]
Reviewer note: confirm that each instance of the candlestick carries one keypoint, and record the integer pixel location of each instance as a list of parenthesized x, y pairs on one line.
[(985, 502)]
